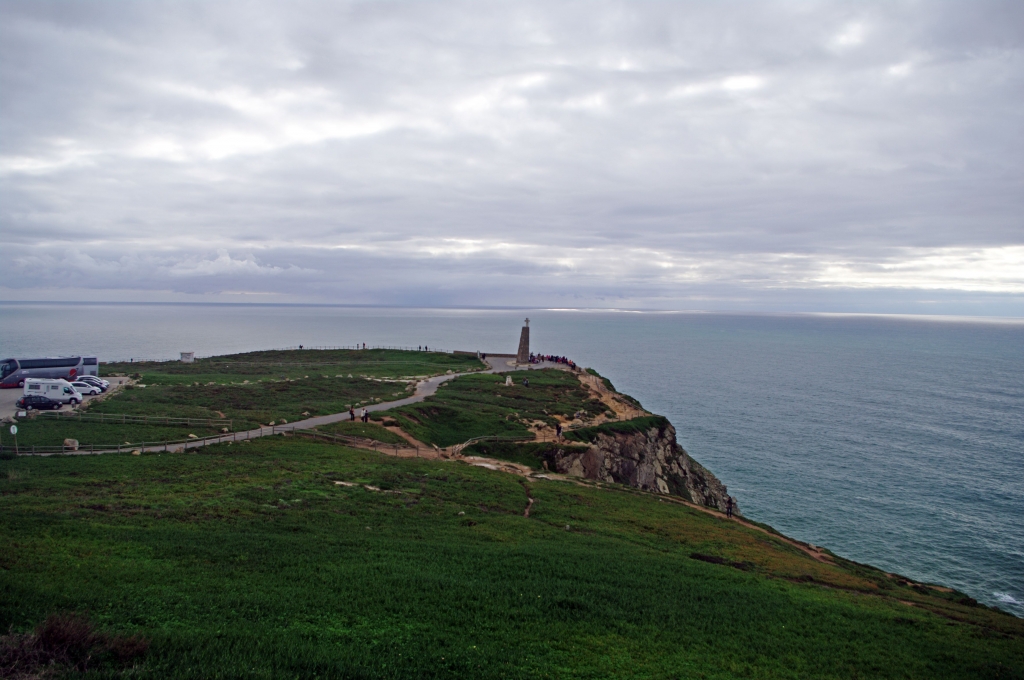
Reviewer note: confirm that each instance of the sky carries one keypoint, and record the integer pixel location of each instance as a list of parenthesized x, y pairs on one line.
[(733, 155)]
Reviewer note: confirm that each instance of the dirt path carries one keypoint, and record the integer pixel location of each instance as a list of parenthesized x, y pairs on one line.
[(406, 436), (529, 501)]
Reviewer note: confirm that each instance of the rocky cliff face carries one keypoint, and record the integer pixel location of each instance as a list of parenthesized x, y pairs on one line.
[(650, 459)]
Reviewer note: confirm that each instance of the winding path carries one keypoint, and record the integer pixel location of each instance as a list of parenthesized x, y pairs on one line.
[(424, 389)]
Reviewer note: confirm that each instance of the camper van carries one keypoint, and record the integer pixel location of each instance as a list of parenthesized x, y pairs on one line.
[(59, 390)]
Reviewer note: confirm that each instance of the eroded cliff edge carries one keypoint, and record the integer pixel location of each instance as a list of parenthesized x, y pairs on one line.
[(642, 453)]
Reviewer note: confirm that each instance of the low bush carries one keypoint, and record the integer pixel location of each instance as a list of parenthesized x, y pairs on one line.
[(66, 642)]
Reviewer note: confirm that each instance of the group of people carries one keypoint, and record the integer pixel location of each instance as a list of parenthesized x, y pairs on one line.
[(364, 416), (538, 358)]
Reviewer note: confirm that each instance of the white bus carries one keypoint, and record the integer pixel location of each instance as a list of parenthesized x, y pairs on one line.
[(13, 372)]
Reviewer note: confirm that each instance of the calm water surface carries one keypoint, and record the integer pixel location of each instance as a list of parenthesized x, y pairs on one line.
[(896, 442)]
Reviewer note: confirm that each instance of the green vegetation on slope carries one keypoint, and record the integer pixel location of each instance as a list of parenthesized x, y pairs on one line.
[(481, 405), (531, 454), (248, 560), (589, 434)]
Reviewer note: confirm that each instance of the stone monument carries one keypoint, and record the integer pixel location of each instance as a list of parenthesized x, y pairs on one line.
[(523, 356)]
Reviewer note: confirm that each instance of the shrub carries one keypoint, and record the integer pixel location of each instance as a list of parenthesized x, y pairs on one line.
[(67, 641)]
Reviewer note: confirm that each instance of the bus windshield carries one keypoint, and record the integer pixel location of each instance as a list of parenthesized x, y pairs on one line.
[(7, 368)]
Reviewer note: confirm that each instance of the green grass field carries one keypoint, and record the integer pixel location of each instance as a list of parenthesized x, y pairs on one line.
[(480, 405), (250, 389), (248, 560), (52, 432), (295, 364)]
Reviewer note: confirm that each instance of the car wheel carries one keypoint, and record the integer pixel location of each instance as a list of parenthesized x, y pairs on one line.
[(28, 407), (58, 407), (21, 384)]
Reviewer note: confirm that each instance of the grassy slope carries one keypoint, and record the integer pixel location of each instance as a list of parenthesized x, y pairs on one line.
[(478, 405), (589, 434), (365, 430), (247, 560), (530, 454)]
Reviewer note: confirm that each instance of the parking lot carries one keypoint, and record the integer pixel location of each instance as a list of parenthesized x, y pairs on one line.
[(9, 396)]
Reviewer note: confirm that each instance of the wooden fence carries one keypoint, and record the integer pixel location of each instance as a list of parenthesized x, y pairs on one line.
[(126, 418)]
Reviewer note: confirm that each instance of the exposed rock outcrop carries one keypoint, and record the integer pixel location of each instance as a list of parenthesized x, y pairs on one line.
[(648, 458)]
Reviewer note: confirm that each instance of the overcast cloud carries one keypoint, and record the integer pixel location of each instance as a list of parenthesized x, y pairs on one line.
[(679, 155)]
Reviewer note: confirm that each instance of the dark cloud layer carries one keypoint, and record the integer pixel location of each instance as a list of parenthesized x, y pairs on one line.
[(826, 156)]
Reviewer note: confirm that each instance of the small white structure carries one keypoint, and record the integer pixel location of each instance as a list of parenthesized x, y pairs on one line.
[(188, 357), (508, 381)]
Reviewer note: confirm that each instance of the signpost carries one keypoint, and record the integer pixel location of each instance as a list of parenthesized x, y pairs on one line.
[(14, 431)]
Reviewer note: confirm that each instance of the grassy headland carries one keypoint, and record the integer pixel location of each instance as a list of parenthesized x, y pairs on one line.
[(284, 557)]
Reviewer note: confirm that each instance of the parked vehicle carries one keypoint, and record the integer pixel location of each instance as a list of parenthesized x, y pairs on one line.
[(38, 401), (90, 366), (61, 390), (85, 388), (14, 372), (104, 385)]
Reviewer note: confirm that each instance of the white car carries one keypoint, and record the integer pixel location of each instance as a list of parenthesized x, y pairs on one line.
[(86, 387), (93, 380)]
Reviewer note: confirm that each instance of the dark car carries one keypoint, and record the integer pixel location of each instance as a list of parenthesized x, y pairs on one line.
[(38, 401)]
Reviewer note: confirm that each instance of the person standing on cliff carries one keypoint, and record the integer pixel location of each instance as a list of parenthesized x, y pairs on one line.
[(728, 507), (351, 414)]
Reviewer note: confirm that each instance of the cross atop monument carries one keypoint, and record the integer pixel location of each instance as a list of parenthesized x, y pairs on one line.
[(527, 321)]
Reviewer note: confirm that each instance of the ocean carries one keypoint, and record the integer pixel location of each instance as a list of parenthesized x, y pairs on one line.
[(893, 441)]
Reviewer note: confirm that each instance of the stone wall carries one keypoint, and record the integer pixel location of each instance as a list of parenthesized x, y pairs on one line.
[(650, 460)]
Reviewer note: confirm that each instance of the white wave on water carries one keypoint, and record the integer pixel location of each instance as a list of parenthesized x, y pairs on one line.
[(1007, 598)]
